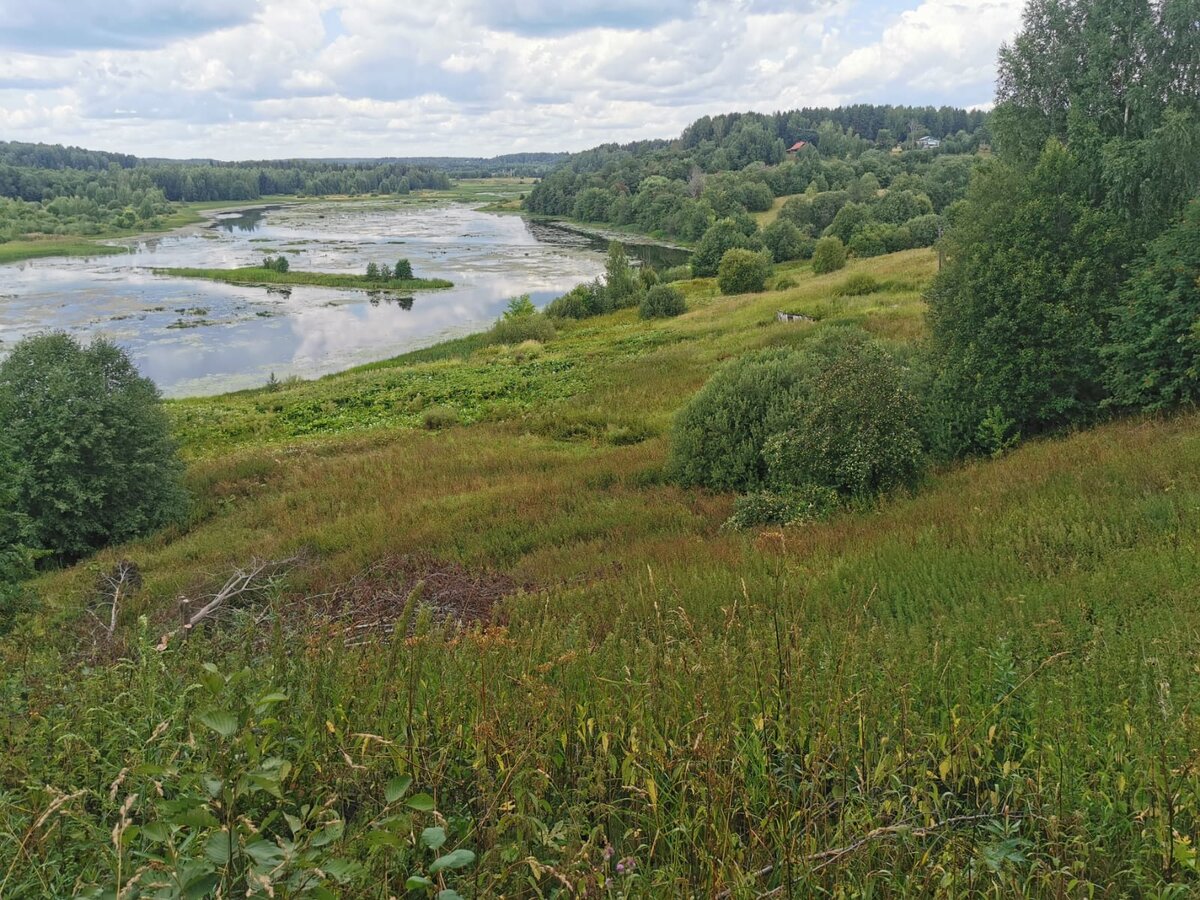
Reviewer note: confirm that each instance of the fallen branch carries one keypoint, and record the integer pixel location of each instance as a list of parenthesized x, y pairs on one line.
[(832, 855), (253, 579)]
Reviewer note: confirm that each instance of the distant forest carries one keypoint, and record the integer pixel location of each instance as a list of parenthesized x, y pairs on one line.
[(729, 166)]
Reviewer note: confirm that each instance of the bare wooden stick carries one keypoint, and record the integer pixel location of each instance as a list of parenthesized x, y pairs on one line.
[(123, 580)]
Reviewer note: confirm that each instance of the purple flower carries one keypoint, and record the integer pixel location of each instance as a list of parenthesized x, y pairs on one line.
[(608, 852)]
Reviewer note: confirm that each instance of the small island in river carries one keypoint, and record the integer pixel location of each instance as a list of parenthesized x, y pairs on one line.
[(378, 280)]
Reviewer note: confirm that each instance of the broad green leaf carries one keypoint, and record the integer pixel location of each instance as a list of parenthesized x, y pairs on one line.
[(293, 823), (397, 788), (265, 853), (196, 817), (221, 721), (416, 882), (201, 886), (217, 847), (448, 895), (329, 834), (420, 802), (433, 838), (455, 860), (158, 832), (340, 870)]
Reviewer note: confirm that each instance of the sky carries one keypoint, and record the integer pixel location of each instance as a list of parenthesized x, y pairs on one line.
[(256, 79)]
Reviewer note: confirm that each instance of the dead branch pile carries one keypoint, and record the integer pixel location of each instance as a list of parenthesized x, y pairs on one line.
[(384, 597)]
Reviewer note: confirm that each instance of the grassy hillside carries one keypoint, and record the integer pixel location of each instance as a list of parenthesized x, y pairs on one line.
[(988, 683)]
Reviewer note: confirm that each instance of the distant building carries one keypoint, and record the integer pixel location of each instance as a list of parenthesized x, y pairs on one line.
[(929, 143), (797, 147)]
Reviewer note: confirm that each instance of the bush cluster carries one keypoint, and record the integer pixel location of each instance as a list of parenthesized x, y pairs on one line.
[(91, 456), (743, 272), (836, 415), (662, 302)]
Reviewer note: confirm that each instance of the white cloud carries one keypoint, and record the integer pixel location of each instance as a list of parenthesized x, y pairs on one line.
[(470, 77)]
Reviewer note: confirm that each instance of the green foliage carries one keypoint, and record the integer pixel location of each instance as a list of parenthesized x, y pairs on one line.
[(94, 460), (848, 221), (856, 432), (1153, 354), (580, 302), (622, 286), (1017, 314), (675, 273), (857, 285), (438, 417), (403, 270), (792, 506), (521, 322), (372, 273), (16, 558), (828, 256), (518, 307), (786, 242), (662, 302), (743, 272), (719, 435), (723, 236), (276, 263)]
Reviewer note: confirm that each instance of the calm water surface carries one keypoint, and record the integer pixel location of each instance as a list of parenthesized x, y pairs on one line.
[(201, 337)]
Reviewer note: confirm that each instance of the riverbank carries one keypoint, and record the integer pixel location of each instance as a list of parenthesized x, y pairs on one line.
[(257, 275)]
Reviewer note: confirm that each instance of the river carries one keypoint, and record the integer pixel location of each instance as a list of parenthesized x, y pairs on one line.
[(195, 337)]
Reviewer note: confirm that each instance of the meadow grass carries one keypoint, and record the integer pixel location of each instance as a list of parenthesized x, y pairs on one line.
[(34, 248), (1006, 657)]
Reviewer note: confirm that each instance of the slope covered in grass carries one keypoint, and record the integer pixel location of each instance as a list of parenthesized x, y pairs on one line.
[(1005, 658)]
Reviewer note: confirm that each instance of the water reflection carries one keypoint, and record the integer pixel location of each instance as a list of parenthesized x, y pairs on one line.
[(245, 220), (197, 337)]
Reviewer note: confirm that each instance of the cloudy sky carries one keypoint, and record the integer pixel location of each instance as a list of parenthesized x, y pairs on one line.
[(236, 79)]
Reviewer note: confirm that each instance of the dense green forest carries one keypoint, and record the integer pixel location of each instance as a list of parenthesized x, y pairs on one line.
[(55, 190), (730, 165)]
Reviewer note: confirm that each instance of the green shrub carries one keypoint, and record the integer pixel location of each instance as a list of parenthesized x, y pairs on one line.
[(924, 230), (93, 456), (857, 434), (829, 255), (16, 559), (724, 235), (794, 506), (675, 273), (403, 270), (438, 417), (871, 240), (1153, 356), (858, 285), (785, 241), (622, 284), (662, 302), (718, 436), (743, 272), (534, 327), (581, 302)]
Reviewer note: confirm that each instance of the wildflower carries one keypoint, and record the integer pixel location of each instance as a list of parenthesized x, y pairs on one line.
[(608, 853)]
